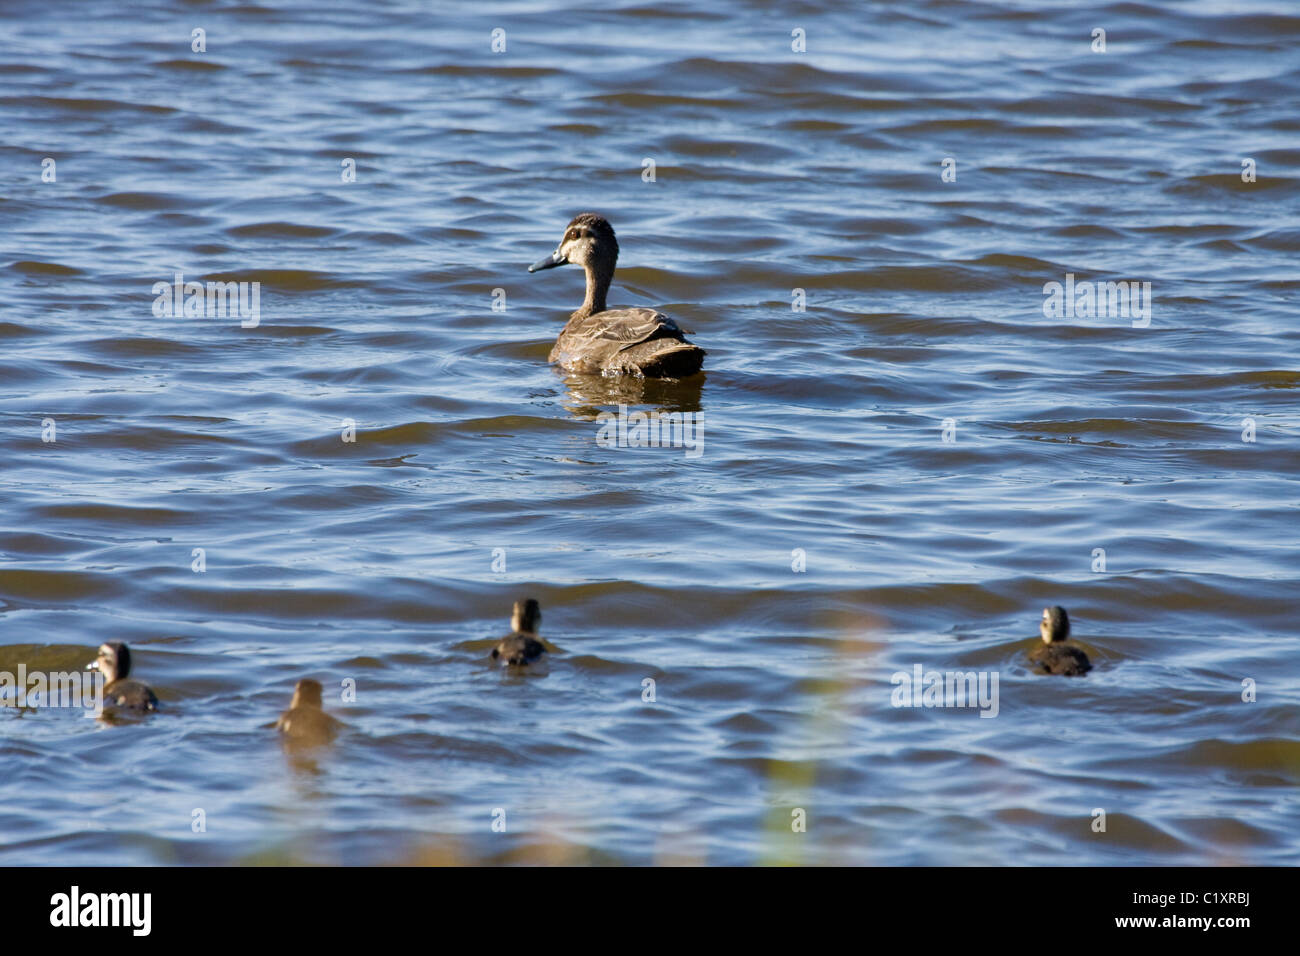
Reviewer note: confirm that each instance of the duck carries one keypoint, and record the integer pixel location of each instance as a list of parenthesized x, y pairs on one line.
[(114, 662), (305, 721), (1057, 656), (597, 340), (521, 646)]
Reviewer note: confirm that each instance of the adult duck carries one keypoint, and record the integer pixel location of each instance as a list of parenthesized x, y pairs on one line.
[(603, 341)]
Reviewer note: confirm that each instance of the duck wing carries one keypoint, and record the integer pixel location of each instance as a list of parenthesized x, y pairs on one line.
[(593, 342), (624, 326)]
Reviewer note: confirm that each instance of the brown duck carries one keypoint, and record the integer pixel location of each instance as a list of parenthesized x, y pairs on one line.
[(1057, 656), (604, 341), (521, 645), (114, 662), (305, 722)]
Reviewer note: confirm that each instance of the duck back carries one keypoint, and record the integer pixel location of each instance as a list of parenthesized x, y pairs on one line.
[(130, 694), (308, 725), (518, 649), (627, 341), (1064, 659)]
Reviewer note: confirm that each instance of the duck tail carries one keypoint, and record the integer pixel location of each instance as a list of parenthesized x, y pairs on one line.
[(669, 359)]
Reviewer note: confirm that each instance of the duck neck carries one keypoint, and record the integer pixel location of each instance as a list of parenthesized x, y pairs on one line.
[(599, 276)]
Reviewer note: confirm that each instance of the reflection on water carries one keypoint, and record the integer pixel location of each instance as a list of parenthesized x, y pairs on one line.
[(590, 395)]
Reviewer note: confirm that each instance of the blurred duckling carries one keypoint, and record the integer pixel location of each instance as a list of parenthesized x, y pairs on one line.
[(1057, 656), (521, 646), (114, 662), (305, 722)]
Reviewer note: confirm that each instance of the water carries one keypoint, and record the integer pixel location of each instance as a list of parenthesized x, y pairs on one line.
[(774, 170)]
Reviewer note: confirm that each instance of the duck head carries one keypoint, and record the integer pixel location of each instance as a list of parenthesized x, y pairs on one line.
[(113, 661), (588, 242), (306, 693), (1055, 625), (527, 617)]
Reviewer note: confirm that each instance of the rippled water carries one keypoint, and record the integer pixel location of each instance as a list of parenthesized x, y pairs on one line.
[(774, 170)]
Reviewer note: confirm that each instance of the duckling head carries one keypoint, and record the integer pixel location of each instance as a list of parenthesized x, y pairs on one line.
[(113, 661), (1055, 625), (527, 617), (588, 242), (306, 693)]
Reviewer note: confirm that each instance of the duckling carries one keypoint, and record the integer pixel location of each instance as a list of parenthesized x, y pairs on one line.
[(114, 662), (1056, 656), (521, 645), (305, 721), (639, 342)]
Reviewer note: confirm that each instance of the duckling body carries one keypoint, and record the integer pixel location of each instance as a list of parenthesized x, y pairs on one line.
[(597, 340), (305, 721), (521, 646), (1057, 655), (114, 662), (130, 694)]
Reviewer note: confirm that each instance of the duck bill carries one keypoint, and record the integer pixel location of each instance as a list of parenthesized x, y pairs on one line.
[(550, 262)]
